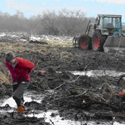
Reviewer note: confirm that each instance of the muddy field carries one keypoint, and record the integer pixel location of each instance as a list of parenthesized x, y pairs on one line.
[(76, 97)]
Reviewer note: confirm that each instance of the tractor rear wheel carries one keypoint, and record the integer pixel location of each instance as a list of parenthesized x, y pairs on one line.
[(85, 42), (98, 41)]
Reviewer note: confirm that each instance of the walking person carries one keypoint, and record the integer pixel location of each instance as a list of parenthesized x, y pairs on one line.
[(20, 69)]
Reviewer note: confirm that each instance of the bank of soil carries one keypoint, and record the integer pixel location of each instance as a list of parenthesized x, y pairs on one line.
[(76, 97)]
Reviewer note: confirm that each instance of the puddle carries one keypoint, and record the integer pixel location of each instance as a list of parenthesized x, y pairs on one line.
[(51, 116), (28, 97), (94, 73), (57, 120)]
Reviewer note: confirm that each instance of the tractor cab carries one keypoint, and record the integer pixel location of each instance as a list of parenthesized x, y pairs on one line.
[(108, 23)]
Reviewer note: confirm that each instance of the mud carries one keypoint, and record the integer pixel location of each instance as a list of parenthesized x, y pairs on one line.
[(79, 98)]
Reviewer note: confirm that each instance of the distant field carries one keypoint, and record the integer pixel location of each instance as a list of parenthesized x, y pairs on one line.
[(22, 42)]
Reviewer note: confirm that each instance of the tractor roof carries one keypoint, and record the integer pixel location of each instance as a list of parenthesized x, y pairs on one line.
[(108, 15)]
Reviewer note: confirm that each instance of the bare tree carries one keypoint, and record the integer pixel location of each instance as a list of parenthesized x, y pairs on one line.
[(72, 22), (63, 22), (50, 22)]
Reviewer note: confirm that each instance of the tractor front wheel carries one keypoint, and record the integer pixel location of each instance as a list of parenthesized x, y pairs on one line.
[(84, 42)]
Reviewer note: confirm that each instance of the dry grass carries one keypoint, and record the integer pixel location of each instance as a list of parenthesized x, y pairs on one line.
[(4, 78), (60, 43), (4, 74), (15, 47), (23, 46)]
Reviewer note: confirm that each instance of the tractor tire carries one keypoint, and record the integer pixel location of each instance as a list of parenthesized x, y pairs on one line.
[(84, 42), (98, 41)]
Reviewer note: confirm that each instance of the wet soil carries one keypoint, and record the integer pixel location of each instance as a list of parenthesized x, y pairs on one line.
[(75, 97)]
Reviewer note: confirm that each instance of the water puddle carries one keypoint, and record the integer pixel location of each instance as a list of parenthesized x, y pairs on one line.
[(51, 116), (57, 120), (94, 73), (28, 97)]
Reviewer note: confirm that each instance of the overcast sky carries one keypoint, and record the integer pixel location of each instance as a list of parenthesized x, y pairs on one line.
[(90, 7)]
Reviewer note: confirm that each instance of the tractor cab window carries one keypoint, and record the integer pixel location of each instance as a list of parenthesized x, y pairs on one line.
[(123, 26), (123, 29), (116, 23), (101, 21), (106, 21)]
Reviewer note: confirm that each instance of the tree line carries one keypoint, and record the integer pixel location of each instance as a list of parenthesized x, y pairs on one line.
[(63, 22)]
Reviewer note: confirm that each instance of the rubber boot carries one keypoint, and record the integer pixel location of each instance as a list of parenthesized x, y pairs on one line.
[(20, 109)]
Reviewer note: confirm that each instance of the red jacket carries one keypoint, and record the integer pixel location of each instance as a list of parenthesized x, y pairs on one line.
[(21, 71)]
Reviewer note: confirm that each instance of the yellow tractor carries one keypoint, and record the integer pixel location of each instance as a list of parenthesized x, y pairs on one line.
[(104, 35)]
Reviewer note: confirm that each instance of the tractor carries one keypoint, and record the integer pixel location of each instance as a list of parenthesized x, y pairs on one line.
[(103, 35)]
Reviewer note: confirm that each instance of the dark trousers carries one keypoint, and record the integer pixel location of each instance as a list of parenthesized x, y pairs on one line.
[(18, 91)]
